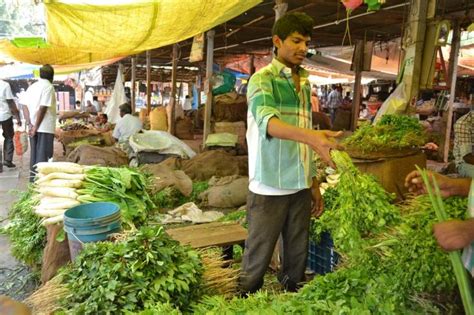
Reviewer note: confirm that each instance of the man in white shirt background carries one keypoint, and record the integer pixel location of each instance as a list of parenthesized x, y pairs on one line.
[(128, 125), (40, 116), (8, 109)]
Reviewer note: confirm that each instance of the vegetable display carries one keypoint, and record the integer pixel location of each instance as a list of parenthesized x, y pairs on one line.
[(145, 269), (27, 236), (124, 186), (392, 132)]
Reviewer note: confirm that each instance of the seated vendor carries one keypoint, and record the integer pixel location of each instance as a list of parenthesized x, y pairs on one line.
[(102, 123), (463, 142), (128, 125), (90, 108)]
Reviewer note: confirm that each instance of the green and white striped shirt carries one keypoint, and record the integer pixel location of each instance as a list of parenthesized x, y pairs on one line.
[(468, 253), (276, 166)]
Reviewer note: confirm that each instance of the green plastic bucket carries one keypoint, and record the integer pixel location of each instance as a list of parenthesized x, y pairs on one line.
[(90, 222)]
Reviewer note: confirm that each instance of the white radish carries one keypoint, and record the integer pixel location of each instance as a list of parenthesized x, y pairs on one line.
[(59, 205), (51, 176), (55, 200), (64, 192), (53, 220), (71, 183), (48, 213), (62, 167)]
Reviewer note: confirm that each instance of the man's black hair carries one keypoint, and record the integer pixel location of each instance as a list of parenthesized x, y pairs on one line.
[(78, 102), (47, 72), (293, 22), (105, 116), (95, 98), (125, 108)]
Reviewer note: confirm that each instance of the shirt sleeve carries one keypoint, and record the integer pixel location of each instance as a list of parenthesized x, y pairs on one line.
[(462, 133), (47, 97), (116, 133), (8, 95), (261, 101)]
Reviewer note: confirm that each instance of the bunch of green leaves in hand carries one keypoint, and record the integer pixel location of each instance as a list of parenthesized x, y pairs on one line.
[(132, 275)]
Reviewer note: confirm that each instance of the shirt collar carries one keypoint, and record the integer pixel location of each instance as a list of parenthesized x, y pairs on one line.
[(281, 68)]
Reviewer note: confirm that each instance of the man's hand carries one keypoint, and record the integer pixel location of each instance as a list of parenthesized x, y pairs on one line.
[(18, 121), (32, 131), (455, 234), (318, 202), (415, 185), (320, 141)]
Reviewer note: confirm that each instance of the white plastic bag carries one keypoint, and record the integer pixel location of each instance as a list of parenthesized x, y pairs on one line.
[(396, 103)]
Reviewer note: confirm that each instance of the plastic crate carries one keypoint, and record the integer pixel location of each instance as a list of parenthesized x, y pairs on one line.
[(322, 258)]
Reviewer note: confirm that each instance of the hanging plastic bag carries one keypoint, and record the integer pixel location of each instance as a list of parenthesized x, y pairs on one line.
[(396, 103), (21, 142)]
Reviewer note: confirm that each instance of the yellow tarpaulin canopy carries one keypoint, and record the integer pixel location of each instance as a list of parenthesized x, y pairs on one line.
[(81, 32)]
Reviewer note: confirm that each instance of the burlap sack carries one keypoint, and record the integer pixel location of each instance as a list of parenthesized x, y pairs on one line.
[(164, 176), (184, 128), (226, 192), (91, 155)]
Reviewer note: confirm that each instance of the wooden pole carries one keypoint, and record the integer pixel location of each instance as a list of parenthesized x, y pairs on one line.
[(358, 64), (132, 89), (251, 65), (172, 125), (453, 72), (148, 81), (208, 86)]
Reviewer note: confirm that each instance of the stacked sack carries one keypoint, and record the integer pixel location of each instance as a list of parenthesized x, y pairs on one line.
[(57, 184)]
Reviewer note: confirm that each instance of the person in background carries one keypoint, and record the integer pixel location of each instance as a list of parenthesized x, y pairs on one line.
[(334, 102), (103, 124), (95, 102), (78, 105), (347, 101), (283, 189), (452, 234), (463, 144), (314, 101), (90, 108), (40, 116), (8, 109), (364, 112), (187, 104), (128, 125)]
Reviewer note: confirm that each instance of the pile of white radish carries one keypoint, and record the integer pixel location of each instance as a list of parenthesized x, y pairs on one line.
[(56, 182)]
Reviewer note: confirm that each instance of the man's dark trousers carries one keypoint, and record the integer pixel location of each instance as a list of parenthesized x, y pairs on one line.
[(268, 218), (42, 147), (8, 133)]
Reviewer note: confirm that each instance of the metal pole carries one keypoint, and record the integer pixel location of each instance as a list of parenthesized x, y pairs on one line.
[(172, 125), (358, 60), (133, 79), (453, 71), (208, 86), (148, 81)]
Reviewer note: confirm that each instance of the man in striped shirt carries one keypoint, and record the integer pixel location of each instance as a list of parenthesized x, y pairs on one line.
[(281, 141), (453, 234)]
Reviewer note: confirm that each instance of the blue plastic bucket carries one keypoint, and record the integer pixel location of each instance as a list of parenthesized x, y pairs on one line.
[(90, 222)]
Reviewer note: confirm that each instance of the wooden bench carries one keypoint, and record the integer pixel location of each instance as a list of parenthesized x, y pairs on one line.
[(218, 234)]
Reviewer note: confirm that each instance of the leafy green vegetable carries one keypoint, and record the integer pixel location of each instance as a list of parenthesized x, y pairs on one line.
[(144, 270), (170, 197), (392, 132), (125, 186), (26, 234)]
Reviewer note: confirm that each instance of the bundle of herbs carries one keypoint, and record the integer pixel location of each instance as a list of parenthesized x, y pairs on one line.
[(24, 229), (127, 187), (392, 132), (131, 275)]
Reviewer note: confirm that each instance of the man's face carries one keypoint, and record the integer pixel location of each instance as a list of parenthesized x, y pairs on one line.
[(293, 49)]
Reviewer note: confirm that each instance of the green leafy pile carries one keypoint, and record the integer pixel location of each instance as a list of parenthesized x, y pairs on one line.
[(124, 186), (26, 234), (135, 274), (390, 268), (170, 197), (392, 132), (362, 207)]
